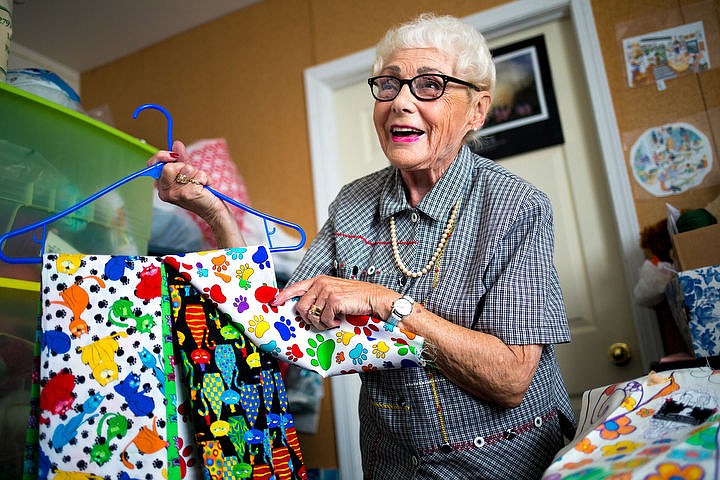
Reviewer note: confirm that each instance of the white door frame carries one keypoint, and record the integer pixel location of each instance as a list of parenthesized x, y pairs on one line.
[(322, 81)]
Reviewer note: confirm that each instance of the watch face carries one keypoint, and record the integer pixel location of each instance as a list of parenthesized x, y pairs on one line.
[(403, 306)]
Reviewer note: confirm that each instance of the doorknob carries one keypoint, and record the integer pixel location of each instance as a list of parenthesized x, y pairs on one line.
[(619, 354)]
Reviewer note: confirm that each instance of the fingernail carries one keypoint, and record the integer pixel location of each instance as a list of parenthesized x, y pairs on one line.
[(174, 155)]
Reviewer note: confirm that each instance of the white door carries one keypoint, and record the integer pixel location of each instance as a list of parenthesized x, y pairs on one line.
[(587, 254)]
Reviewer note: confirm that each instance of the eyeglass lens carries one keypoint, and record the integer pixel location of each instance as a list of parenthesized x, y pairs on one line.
[(424, 87)]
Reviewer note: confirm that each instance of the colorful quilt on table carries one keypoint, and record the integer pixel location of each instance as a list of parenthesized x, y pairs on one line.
[(167, 367), (659, 427)]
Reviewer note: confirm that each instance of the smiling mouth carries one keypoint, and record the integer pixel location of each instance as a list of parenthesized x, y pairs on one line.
[(405, 132)]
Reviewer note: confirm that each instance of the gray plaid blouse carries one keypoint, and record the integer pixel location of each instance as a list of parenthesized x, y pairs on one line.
[(496, 276)]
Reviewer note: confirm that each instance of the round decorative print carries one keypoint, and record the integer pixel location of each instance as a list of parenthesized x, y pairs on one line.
[(671, 159)]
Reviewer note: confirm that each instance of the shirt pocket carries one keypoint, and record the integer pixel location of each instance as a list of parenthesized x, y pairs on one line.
[(371, 273), (368, 263)]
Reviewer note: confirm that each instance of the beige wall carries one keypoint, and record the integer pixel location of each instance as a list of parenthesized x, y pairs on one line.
[(241, 78)]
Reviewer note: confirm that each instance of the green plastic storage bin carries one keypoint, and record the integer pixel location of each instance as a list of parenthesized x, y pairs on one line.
[(51, 158)]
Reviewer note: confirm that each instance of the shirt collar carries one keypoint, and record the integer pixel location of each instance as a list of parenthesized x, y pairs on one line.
[(438, 202)]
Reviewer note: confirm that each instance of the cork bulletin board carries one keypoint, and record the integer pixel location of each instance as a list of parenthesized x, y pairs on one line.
[(666, 61)]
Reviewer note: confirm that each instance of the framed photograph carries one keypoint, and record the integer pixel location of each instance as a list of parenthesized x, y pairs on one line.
[(523, 115)]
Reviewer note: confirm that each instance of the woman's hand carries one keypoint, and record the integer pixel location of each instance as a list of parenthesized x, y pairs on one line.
[(182, 184), (324, 301)]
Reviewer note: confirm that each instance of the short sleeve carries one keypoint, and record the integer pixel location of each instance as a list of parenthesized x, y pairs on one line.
[(524, 303)]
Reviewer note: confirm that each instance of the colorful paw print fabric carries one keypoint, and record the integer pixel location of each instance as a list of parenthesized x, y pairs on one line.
[(658, 427), (108, 400), (241, 282)]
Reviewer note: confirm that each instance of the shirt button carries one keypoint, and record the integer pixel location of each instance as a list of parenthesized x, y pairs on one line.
[(414, 217), (371, 270), (446, 448), (479, 442), (415, 460), (335, 264), (538, 422)]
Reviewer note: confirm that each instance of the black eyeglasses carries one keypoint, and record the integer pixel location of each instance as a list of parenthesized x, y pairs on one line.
[(425, 87)]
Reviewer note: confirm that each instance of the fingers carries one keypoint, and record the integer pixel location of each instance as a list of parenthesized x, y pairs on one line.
[(321, 317), (178, 147), (177, 176), (177, 154), (297, 289), (324, 301), (311, 305), (189, 174), (324, 315)]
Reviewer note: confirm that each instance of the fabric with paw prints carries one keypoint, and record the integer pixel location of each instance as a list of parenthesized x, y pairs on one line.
[(237, 395), (241, 282), (108, 401)]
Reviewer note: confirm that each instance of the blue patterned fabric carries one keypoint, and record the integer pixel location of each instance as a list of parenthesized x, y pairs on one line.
[(699, 294)]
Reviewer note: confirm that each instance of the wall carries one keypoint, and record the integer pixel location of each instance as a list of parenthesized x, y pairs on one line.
[(241, 78)]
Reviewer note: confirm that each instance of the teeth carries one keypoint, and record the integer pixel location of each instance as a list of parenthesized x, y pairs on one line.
[(405, 131)]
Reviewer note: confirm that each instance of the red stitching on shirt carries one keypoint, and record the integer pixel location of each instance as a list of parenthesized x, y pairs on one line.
[(347, 235), (494, 438)]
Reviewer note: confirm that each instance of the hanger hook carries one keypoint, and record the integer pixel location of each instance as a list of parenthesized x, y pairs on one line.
[(155, 106)]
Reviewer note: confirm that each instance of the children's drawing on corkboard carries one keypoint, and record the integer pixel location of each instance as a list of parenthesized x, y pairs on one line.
[(671, 158), (664, 54)]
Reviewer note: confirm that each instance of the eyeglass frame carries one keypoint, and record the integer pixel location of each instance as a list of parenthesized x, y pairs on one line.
[(408, 81)]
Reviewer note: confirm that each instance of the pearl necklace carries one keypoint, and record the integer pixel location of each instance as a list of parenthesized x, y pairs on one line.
[(441, 245)]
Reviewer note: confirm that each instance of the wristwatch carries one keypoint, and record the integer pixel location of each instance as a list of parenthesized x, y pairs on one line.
[(401, 308)]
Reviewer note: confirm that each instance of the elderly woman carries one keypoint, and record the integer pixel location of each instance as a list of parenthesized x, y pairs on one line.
[(445, 244)]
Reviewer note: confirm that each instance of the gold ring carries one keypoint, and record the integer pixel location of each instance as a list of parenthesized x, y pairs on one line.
[(182, 179), (315, 311), (195, 181)]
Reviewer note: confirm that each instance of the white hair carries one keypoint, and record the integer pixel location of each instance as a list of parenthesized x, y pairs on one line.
[(450, 35)]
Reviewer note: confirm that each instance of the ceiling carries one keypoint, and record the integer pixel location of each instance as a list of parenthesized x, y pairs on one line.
[(84, 34)]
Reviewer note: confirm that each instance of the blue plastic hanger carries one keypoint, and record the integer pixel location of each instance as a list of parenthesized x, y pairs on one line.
[(154, 172)]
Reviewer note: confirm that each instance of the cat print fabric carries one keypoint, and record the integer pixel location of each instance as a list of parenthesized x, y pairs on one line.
[(108, 397), (237, 396)]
